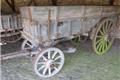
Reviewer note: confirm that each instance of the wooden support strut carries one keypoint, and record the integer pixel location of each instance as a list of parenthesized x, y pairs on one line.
[(49, 24), (56, 21), (30, 15)]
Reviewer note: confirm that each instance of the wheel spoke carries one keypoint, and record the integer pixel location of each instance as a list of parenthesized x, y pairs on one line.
[(99, 44), (49, 70), (103, 46), (41, 67), (103, 29), (28, 44), (110, 26), (100, 47), (45, 70), (98, 36), (106, 45), (44, 58), (101, 32), (55, 68), (107, 24), (57, 63), (41, 63), (48, 54), (57, 58), (98, 41), (54, 54)]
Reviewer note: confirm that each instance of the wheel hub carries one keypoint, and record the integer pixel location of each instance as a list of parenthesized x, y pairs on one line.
[(49, 63), (106, 37)]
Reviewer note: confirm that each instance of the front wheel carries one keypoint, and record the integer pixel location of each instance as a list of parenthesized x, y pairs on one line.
[(48, 62)]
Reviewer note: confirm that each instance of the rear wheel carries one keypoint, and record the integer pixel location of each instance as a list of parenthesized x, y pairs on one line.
[(104, 36)]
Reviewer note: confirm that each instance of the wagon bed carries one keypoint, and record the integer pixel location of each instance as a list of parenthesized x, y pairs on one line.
[(44, 26), (53, 17)]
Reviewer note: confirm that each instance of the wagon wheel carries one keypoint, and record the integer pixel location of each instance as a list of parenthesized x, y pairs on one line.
[(76, 41), (49, 62), (26, 45), (12, 36), (104, 36)]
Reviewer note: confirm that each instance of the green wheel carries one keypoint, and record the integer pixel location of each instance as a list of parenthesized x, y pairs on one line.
[(104, 36), (76, 41)]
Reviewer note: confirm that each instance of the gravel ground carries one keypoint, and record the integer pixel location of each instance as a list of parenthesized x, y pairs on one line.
[(82, 65)]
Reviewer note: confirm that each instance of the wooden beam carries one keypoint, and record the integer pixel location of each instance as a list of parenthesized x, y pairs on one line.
[(54, 2), (11, 4), (29, 3), (32, 1), (111, 2)]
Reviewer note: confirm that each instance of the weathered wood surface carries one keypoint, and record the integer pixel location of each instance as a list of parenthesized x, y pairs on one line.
[(19, 3), (67, 12), (118, 30), (10, 22), (48, 23)]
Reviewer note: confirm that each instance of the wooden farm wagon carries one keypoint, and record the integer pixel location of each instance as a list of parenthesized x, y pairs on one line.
[(45, 26), (10, 27)]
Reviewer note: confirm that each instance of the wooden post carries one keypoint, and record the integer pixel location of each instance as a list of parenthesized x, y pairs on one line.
[(30, 15), (49, 24)]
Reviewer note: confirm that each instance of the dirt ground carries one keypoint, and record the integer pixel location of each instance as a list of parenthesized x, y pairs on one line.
[(82, 65)]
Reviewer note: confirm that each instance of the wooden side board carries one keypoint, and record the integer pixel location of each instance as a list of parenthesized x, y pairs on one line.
[(63, 21), (63, 12)]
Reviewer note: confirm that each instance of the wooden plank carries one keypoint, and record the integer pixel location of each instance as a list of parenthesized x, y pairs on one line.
[(9, 34), (49, 24), (118, 30), (82, 18), (40, 13)]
